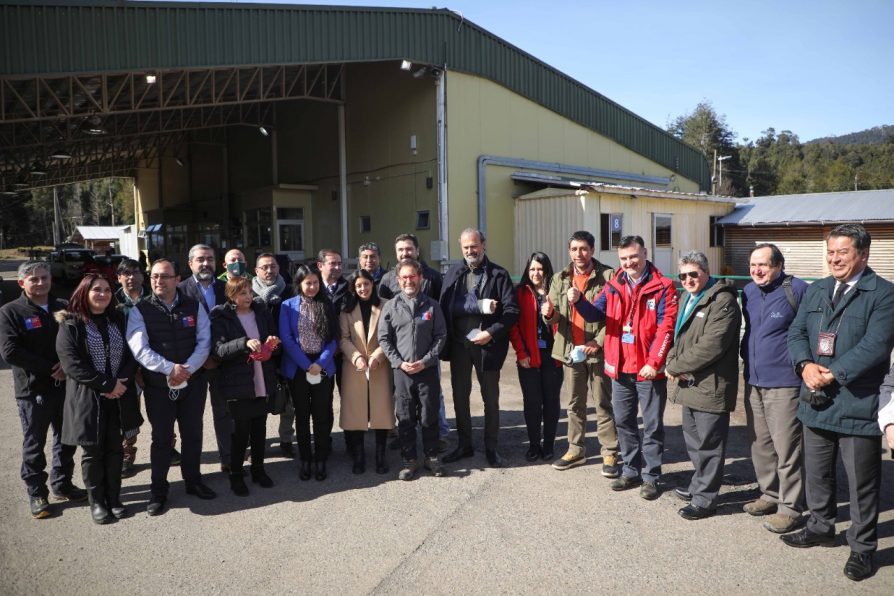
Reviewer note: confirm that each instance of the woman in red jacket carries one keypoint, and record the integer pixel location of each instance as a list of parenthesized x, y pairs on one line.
[(539, 375)]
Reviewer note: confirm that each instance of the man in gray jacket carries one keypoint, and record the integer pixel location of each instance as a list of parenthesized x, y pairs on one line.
[(412, 333)]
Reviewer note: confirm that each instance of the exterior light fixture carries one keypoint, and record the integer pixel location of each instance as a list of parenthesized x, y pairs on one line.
[(178, 161), (61, 155), (38, 170), (150, 79), (263, 131), (406, 65)]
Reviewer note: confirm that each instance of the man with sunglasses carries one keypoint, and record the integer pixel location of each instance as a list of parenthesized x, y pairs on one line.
[(705, 363), (639, 307), (170, 336)]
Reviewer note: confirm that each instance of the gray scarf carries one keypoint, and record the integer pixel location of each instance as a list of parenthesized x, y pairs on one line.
[(265, 292)]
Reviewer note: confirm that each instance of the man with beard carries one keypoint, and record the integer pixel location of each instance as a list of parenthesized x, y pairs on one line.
[(270, 287), (478, 301)]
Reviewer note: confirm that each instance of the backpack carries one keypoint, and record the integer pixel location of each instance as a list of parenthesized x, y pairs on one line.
[(787, 286)]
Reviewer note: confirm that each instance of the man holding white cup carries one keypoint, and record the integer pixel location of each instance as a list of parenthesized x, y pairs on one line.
[(478, 301), (578, 345)]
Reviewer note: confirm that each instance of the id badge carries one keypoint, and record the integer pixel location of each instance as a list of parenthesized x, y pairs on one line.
[(541, 343), (627, 338), (825, 343)]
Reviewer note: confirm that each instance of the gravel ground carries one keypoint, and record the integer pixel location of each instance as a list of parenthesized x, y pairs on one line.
[(523, 529)]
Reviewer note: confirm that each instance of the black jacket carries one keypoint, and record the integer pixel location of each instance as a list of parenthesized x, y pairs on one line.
[(82, 417), (190, 287), (389, 287), (235, 375), (337, 298), (497, 285), (28, 345)]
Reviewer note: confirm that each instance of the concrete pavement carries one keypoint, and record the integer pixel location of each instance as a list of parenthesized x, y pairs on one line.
[(523, 529)]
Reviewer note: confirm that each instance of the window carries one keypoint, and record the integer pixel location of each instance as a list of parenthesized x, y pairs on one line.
[(289, 213), (716, 232), (663, 230), (423, 220), (258, 227), (365, 224), (610, 229)]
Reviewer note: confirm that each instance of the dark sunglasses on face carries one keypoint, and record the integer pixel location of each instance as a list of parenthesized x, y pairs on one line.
[(690, 274)]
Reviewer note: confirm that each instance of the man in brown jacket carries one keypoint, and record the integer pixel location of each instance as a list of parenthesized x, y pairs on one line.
[(578, 345), (705, 363)]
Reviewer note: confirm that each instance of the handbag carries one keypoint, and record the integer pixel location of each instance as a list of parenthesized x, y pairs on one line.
[(279, 397)]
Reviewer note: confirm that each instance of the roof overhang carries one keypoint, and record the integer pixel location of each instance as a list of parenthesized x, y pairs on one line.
[(581, 187)]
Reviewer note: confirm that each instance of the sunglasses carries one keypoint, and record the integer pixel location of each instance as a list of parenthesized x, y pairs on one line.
[(689, 274)]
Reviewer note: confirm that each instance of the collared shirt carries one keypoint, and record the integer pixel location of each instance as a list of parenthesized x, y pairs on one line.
[(138, 340), (207, 293), (850, 284)]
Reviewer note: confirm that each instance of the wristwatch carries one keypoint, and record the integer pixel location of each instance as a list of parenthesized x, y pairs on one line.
[(799, 367)]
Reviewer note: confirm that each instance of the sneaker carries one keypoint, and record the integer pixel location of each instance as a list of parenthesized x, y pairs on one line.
[(648, 491), (624, 483), (568, 461), (780, 523), (408, 469), (70, 493), (175, 457), (433, 465), (40, 507), (759, 507), (610, 466)]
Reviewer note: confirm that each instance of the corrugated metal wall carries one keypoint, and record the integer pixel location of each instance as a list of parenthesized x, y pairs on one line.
[(805, 249), (56, 37), (545, 224)]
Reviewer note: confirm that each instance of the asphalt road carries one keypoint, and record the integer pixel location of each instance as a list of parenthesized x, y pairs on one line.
[(523, 529)]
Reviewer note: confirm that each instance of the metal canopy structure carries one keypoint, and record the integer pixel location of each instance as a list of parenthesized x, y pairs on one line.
[(59, 129), (73, 77)]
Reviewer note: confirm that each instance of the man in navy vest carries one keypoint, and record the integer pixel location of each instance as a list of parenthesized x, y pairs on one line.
[(170, 336)]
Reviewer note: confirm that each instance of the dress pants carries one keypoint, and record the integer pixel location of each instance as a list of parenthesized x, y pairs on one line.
[(862, 460), (642, 456), (541, 388), (101, 463), (187, 410), (312, 402), (223, 422), (416, 400), (585, 382), (37, 416), (287, 423), (247, 431), (465, 357), (775, 433), (705, 435)]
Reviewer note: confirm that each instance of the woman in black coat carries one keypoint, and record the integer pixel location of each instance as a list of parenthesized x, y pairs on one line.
[(243, 339), (101, 405)]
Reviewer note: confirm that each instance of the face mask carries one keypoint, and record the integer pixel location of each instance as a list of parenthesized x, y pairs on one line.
[(577, 354), (236, 269)]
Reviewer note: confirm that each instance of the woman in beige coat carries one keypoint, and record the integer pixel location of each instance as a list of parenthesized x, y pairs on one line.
[(367, 392)]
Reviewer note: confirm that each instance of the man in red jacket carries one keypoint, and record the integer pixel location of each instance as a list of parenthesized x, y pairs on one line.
[(639, 306)]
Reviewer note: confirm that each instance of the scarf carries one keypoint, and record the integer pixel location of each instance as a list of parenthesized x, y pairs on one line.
[(689, 306), (265, 292)]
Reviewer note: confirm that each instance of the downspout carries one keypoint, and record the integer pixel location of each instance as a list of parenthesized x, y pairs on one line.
[(553, 167), (343, 179), (441, 102)]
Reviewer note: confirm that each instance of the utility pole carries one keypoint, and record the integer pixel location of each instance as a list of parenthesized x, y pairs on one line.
[(111, 203), (56, 220), (720, 171)]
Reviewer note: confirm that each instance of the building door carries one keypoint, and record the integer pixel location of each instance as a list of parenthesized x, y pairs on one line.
[(662, 249), (290, 232)]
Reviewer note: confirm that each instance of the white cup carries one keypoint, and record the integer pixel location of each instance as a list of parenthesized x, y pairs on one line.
[(487, 306)]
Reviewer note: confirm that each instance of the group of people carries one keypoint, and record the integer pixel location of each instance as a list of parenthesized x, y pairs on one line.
[(815, 378)]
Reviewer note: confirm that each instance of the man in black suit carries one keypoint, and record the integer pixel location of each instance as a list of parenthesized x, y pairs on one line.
[(204, 287)]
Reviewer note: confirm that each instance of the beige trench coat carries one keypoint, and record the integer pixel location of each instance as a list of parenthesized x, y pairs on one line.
[(364, 405)]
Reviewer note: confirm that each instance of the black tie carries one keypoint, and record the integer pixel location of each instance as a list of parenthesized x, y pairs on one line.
[(839, 292)]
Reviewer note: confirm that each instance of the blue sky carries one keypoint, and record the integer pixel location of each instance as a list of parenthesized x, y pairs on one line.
[(816, 68)]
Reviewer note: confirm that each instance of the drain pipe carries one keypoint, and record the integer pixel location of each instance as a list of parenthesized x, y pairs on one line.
[(441, 102), (547, 166)]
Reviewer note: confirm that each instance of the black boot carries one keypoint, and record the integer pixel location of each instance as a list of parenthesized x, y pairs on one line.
[(113, 485), (304, 470), (381, 466), (320, 470), (359, 454), (237, 484)]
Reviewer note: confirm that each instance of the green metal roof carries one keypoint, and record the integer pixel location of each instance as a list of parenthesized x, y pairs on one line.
[(42, 38)]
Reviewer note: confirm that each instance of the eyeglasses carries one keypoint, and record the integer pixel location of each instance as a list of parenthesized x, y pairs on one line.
[(689, 274), (157, 277), (268, 267)]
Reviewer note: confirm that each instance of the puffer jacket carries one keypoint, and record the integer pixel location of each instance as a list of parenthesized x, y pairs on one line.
[(236, 373), (706, 350)]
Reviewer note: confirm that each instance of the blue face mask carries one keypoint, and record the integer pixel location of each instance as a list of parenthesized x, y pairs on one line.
[(236, 269)]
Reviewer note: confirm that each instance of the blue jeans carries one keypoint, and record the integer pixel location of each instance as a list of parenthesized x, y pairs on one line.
[(642, 456)]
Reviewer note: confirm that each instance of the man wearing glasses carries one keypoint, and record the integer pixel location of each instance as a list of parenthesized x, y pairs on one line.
[(705, 363), (170, 336)]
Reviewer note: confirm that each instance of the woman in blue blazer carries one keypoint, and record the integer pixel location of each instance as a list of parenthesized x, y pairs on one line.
[(308, 331)]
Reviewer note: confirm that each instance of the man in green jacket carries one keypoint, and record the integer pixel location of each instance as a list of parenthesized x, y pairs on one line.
[(839, 343), (578, 345), (705, 363)]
